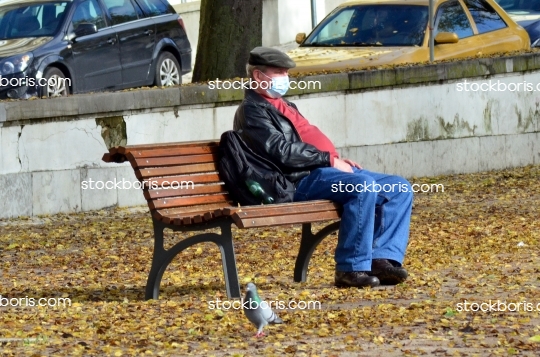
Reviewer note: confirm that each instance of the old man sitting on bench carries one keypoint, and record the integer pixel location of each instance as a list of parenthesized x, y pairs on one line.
[(374, 228)]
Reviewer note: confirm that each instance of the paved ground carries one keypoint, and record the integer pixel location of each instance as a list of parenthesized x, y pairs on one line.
[(478, 241)]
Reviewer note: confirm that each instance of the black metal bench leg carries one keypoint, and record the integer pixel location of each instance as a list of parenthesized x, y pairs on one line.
[(155, 275), (162, 258), (308, 244), (228, 260)]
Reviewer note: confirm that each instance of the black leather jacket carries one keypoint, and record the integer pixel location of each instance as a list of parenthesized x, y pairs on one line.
[(271, 135)]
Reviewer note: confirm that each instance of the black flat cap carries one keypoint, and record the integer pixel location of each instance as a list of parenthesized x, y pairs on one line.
[(267, 56)]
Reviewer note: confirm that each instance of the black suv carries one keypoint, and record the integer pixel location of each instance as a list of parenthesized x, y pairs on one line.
[(54, 48)]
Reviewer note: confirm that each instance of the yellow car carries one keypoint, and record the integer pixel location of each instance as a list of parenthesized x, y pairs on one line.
[(360, 34)]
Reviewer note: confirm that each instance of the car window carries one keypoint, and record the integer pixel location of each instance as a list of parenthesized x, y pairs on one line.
[(337, 26), (154, 7), (51, 16), (38, 20), (452, 18), (372, 25), (121, 11), (89, 12), (484, 16)]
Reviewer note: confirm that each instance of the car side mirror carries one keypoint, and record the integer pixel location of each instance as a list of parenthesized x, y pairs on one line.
[(300, 37), (446, 37), (85, 29)]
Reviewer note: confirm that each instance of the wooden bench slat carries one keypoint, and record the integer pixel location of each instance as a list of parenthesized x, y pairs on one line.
[(186, 221), (184, 191), (279, 210), (282, 220), (229, 211), (188, 201), (175, 170), (192, 219), (207, 215), (203, 216), (170, 160), (132, 148), (196, 216), (175, 151), (187, 210)]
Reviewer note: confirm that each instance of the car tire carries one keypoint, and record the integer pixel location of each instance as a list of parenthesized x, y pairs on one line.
[(57, 86), (167, 71)]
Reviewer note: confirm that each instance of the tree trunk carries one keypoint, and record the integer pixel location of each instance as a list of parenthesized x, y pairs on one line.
[(229, 30)]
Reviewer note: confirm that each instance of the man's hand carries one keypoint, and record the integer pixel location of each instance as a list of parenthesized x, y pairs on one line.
[(352, 163), (342, 165)]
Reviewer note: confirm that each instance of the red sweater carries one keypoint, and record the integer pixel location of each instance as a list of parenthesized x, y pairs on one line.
[(309, 134)]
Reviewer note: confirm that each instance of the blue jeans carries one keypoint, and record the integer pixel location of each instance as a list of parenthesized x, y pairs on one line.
[(374, 225)]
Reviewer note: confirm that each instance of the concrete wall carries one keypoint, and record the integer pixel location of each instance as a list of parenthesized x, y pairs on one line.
[(287, 18), (191, 14), (409, 120)]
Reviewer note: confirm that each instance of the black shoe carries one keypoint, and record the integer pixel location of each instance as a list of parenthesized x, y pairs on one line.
[(387, 273), (357, 279)]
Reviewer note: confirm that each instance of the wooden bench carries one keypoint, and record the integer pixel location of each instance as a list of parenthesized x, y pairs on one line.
[(206, 205)]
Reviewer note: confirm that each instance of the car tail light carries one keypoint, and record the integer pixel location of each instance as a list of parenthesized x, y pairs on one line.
[(181, 22)]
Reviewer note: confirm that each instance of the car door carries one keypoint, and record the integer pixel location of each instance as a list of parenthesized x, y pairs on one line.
[(495, 34), (136, 35), (451, 17), (95, 57)]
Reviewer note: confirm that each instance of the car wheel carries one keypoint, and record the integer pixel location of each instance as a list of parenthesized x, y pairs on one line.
[(167, 71), (56, 83)]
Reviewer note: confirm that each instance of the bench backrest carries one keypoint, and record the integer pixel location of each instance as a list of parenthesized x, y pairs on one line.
[(181, 182)]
